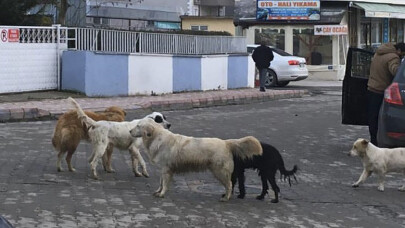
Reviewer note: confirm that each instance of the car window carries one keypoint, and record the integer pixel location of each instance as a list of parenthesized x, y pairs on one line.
[(276, 50), (400, 76), (281, 52), (250, 49), (360, 65)]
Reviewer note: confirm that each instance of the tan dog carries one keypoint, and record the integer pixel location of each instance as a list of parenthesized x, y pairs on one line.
[(378, 160), (69, 131), (179, 154)]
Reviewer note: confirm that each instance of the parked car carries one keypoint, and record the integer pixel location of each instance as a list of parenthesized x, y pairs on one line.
[(284, 67), (391, 123)]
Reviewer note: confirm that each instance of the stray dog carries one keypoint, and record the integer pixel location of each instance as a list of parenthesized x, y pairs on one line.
[(179, 154), (69, 131), (378, 160), (267, 164), (105, 135)]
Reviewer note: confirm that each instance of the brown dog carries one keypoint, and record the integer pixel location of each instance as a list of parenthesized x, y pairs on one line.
[(69, 131)]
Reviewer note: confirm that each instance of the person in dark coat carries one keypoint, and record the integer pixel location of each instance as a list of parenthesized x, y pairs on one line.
[(262, 55), (383, 68)]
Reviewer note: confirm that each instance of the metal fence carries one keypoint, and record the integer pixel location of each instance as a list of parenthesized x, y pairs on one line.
[(91, 39), (54, 34)]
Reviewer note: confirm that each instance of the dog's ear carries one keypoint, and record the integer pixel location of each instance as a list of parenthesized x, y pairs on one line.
[(148, 130), (364, 142)]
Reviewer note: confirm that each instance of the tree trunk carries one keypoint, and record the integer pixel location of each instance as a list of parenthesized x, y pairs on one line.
[(63, 7)]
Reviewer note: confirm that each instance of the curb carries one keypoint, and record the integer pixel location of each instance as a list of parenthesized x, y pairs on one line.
[(23, 114), (36, 114)]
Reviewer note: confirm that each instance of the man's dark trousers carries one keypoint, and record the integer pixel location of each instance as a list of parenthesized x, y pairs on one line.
[(374, 104)]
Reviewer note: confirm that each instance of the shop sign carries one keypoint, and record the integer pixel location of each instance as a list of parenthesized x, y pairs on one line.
[(10, 35), (386, 25), (330, 30), (288, 10), (13, 35)]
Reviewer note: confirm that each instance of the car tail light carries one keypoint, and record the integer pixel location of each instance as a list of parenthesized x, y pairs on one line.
[(293, 62), (392, 94), (396, 135)]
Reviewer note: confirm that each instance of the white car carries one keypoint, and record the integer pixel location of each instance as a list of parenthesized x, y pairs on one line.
[(284, 67)]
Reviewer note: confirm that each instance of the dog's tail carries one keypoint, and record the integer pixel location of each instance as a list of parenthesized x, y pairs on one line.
[(245, 147), (82, 115), (287, 174)]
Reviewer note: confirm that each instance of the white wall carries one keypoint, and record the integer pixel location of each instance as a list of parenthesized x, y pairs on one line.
[(214, 72), (251, 72), (149, 73), (28, 67)]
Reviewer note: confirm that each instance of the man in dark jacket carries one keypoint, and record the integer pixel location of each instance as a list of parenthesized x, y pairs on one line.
[(262, 56), (383, 68)]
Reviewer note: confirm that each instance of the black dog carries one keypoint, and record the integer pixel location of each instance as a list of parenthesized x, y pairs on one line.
[(267, 165)]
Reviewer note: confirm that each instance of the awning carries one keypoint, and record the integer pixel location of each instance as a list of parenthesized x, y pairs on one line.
[(382, 10)]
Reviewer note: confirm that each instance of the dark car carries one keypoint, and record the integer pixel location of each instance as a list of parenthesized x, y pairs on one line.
[(391, 124)]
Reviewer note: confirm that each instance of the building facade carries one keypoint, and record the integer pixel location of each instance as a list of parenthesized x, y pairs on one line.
[(324, 37), (127, 14), (209, 15)]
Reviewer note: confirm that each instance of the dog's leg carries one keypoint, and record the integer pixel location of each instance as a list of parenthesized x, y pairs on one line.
[(58, 163), (69, 160), (107, 159), (98, 152), (166, 179), (274, 186), (402, 189), (160, 187), (234, 179), (136, 156), (241, 184), (224, 176), (265, 187), (381, 181), (362, 178)]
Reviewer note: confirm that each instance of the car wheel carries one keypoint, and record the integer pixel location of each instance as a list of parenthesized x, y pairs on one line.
[(283, 83), (271, 79)]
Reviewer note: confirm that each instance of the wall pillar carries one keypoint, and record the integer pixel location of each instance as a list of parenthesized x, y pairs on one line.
[(288, 39)]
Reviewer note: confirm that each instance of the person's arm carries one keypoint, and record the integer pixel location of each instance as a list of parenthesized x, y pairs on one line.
[(393, 65), (254, 55), (271, 56)]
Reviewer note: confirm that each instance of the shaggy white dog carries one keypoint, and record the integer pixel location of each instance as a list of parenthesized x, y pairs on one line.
[(106, 134), (176, 153), (378, 160)]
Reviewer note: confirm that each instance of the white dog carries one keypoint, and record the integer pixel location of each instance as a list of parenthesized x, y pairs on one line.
[(106, 134), (378, 160), (179, 154)]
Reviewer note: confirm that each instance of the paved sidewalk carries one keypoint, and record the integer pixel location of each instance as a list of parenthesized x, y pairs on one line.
[(50, 104)]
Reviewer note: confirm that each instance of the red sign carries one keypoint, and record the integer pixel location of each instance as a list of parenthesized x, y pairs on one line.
[(4, 35), (13, 35)]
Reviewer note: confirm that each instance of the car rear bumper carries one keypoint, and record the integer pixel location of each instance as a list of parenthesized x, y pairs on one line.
[(292, 75), (391, 126)]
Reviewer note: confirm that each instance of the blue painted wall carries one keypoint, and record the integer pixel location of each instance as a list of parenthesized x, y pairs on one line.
[(97, 74), (106, 74), (186, 73), (237, 71), (73, 70)]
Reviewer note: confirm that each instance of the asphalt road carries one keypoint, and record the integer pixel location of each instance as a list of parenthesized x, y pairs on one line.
[(306, 130)]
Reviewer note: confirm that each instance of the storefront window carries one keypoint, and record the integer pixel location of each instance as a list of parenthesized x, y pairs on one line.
[(317, 50), (400, 31), (376, 36), (393, 30), (273, 37), (365, 39)]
